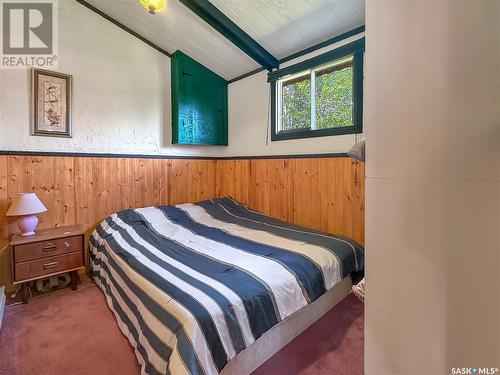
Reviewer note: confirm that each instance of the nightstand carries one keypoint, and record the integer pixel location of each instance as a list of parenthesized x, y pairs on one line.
[(48, 252)]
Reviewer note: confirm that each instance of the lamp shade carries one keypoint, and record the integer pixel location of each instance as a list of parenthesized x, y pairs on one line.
[(357, 152), (154, 6), (26, 204)]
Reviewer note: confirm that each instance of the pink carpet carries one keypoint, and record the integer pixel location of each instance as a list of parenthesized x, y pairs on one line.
[(67, 332)]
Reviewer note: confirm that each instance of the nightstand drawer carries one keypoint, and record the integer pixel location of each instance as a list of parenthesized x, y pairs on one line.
[(38, 250), (48, 266)]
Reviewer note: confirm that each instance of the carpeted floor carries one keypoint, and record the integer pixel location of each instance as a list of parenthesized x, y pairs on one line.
[(67, 332)]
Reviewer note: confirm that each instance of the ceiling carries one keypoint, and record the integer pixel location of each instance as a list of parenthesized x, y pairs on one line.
[(282, 27)]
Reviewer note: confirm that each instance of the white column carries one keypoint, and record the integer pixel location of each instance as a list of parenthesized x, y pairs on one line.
[(432, 124)]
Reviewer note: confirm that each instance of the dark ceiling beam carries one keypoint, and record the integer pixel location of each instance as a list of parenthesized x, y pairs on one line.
[(218, 20), (123, 27)]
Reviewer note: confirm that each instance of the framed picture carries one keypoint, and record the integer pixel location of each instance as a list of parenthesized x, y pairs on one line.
[(51, 103)]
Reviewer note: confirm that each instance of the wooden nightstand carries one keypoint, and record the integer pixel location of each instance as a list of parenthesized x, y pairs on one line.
[(47, 253)]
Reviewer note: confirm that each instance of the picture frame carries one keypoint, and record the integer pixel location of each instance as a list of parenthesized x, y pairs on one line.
[(51, 103)]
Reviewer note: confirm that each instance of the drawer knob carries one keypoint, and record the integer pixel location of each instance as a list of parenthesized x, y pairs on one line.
[(50, 265), (49, 247)]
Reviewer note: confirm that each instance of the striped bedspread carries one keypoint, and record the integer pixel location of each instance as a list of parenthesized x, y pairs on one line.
[(192, 285)]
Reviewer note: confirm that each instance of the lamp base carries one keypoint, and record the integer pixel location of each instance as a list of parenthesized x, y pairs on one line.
[(27, 225)]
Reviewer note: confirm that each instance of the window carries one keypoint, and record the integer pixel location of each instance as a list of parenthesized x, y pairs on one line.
[(319, 97)]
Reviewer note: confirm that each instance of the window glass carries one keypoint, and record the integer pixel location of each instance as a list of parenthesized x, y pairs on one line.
[(333, 97), (296, 103), (319, 97)]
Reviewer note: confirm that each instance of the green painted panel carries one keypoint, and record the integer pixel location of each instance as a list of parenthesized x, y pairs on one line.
[(199, 103)]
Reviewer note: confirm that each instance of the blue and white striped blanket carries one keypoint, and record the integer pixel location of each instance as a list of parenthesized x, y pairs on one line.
[(192, 285)]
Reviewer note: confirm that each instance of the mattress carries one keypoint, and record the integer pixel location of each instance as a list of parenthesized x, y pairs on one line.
[(194, 285)]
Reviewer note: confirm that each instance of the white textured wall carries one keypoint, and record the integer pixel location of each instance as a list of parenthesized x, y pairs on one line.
[(121, 99), (121, 92), (432, 109), (249, 116)]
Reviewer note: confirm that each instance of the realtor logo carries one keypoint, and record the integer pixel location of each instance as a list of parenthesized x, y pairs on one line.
[(29, 34)]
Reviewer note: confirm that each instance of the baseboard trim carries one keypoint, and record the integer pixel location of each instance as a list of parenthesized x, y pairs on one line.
[(160, 156)]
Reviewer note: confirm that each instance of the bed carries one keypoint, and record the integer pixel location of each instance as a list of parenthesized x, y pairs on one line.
[(214, 287)]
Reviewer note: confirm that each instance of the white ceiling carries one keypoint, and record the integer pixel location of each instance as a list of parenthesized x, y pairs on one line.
[(284, 27), (280, 26)]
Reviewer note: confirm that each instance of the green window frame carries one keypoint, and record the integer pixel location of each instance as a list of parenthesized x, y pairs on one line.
[(348, 55)]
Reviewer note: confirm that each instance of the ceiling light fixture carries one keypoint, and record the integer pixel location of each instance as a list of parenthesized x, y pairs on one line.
[(154, 6)]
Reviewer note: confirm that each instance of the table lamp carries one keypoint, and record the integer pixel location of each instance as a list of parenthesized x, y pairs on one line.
[(26, 205), (357, 152)]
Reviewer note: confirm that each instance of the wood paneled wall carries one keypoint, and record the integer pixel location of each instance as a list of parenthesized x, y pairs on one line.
[(320, 193)]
